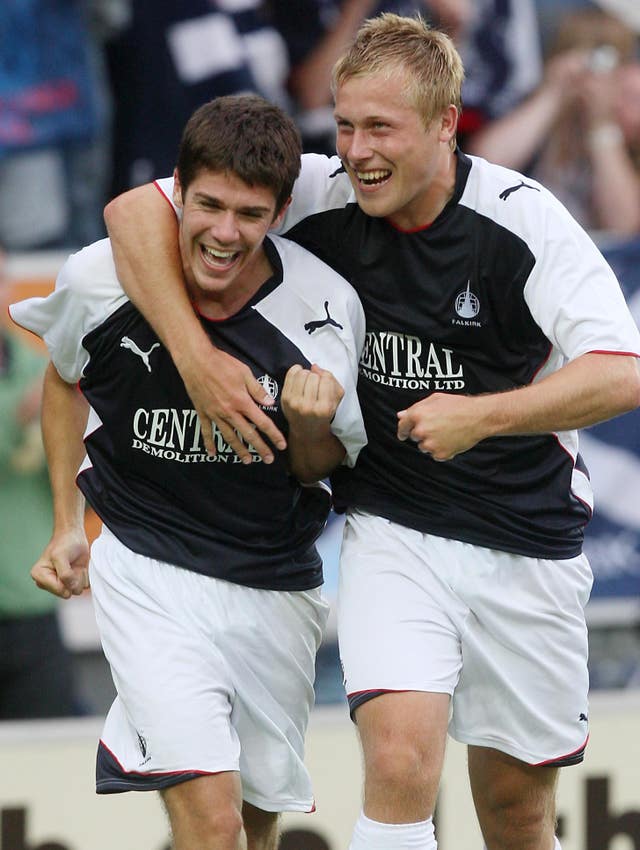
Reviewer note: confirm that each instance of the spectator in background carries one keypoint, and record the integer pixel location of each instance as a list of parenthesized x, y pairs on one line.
[(498, 40), (171, 58), (317, 35), (52, 126), (35, 667), (579, 132)]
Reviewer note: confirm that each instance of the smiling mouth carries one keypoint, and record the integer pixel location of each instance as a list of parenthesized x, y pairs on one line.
[(375, 177), (218, 257)]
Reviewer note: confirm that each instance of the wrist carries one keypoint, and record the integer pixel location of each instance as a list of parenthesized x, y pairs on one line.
[(604, 136)]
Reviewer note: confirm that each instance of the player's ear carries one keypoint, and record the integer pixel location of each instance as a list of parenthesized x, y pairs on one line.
[(278, 219), (177, 189), (448, 123)]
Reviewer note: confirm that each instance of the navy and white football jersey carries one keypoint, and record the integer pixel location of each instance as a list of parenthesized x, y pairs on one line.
[(147, 474), (501, 290)]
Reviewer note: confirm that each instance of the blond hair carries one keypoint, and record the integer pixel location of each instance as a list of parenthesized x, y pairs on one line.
[(389, 43)]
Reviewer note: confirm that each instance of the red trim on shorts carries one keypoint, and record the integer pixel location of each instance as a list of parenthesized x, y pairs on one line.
[(551, 762), (158, 772), (377, 691)]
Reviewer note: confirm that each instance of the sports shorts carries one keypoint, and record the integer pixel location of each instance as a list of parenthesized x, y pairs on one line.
[(210, 676), (503, 634)]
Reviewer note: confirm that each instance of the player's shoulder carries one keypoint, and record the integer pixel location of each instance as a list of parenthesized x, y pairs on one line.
[(514, 201), (90, 272), (303, 271)]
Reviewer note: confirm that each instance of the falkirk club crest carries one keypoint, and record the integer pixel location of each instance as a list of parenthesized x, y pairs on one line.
[(467, 304), (269, 385)]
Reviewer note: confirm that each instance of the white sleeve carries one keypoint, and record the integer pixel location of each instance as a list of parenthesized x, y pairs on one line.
[(322, 185), (348, 425), (86, 292), (573, 294), (311, 285)]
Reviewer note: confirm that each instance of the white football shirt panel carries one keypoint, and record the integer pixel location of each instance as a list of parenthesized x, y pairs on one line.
[(309, 284), (572, 292), (86, 292)]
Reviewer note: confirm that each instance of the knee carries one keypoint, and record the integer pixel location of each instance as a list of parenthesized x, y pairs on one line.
[(399, 764), (518, 823)]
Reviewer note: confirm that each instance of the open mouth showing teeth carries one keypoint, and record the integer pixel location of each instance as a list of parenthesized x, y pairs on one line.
[(373, 178), (219, 257)]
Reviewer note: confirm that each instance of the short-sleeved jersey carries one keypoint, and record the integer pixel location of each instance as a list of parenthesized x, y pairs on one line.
[(501, 290), (147, 473)]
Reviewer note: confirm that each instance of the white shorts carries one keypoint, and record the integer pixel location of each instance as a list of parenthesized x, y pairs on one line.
[(211, 676), (504, 634)]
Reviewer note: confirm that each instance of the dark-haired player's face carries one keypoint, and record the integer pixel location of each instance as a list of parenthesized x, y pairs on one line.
[(223, 224), (392, 159)]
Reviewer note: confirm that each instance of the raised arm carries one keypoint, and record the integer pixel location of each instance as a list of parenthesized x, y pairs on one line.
[(310, 398), (62, 569), (588, 390), (144, 238)]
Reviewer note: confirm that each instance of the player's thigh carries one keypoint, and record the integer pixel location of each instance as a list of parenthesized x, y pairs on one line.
[(175, 692), (271, 659), (524, 681), (398, 623)]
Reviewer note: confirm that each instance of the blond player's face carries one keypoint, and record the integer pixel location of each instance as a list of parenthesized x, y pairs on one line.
[(390, 156)]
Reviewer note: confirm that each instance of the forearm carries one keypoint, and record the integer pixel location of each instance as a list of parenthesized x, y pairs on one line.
[(311, 80), (591, 389), (64, 417), (312, 456), (144, 239), (616, 183), (514, 140)]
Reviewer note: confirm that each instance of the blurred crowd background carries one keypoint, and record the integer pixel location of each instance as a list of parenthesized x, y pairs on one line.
[(93, 98)]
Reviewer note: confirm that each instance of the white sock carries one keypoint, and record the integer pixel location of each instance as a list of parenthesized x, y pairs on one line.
[(372, 835)]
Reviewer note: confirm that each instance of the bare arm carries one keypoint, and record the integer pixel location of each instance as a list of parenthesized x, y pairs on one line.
[(310, 398), (590, 389), (516, 138), (144, 238), (62, 567), (311, 79), (615, 192)]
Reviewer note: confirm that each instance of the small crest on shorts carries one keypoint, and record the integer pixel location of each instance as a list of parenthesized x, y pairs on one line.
[(142, 744)]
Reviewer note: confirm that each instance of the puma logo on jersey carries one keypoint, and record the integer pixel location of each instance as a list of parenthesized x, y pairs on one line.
[(310, 327), (127, 342), (521, 185)]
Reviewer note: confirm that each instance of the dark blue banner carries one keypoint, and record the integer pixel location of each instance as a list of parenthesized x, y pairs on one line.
[(612, 453)]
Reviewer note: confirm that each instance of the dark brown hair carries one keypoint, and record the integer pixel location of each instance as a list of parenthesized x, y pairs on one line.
[(247, 136)]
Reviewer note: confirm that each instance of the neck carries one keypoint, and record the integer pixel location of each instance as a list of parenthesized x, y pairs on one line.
[(225, 304), (435, 197)]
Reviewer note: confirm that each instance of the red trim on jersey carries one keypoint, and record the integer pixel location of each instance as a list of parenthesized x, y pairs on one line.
[(157, 773), (566, 756), (411, 229), (621, 353), (157, 185), (542, 365)]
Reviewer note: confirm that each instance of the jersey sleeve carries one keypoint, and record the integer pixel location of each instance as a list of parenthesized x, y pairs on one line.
[(313, 292), (86, 291), (322, 185), (573, 294)]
